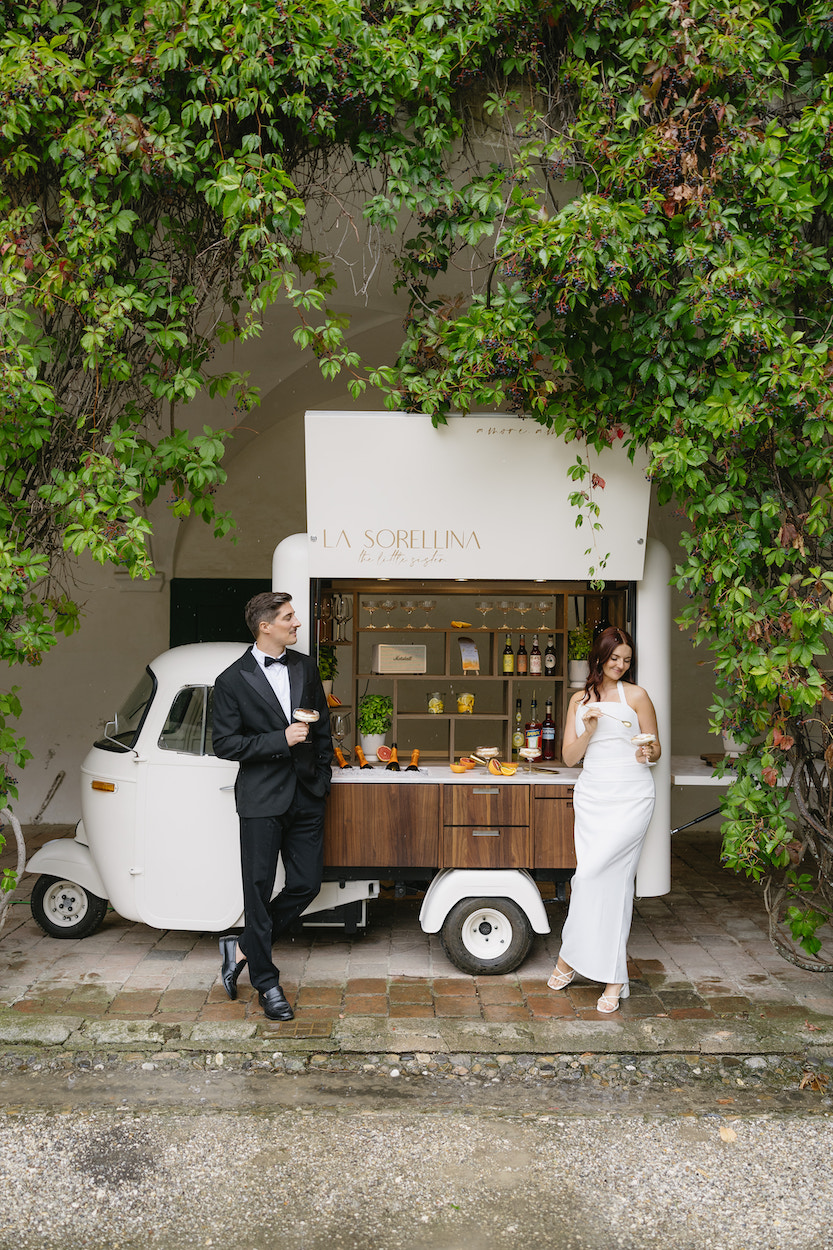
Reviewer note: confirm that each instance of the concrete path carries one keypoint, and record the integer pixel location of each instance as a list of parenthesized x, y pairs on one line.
[(700, 957)]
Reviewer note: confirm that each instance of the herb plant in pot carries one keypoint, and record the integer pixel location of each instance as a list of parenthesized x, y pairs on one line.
[(579, 643), (327, 666), (374, 720)]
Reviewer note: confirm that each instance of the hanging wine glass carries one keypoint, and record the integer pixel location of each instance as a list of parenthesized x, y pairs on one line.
[(408, 606), (340, 725), (325, 613), (428, 606), (484, 606), (370, 607)]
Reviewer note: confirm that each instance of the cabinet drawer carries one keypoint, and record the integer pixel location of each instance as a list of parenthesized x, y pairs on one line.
[(486, 803), (485, 846), (382, 826), (552, 827)]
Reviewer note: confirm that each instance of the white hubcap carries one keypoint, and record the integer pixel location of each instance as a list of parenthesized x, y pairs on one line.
[(65, 904), (486, 933)]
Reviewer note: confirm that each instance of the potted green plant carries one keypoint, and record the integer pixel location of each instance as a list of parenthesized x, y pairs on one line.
[(374, 719), (327, 666), (579, 644)]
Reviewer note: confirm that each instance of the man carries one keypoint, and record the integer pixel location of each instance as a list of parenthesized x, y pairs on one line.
[(281, 788)]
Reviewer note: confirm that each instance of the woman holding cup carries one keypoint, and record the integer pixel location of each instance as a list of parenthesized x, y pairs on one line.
[(612, 727)]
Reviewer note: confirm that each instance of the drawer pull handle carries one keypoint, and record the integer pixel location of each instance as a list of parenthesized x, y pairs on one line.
[(485, 790), (485, 833)]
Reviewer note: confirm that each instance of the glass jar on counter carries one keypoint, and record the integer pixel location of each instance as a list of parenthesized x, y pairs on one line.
[(435, 703)]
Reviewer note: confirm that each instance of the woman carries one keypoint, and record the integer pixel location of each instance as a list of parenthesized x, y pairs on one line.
[(614, 799)]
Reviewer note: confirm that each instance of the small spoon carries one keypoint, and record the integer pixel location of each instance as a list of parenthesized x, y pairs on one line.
[(627, 723)]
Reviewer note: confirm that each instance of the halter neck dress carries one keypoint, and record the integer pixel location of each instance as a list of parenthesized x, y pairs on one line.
[(613, 803)]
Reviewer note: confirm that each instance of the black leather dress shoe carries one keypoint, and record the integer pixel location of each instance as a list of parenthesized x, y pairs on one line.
[(230, 969), (275, 1005)]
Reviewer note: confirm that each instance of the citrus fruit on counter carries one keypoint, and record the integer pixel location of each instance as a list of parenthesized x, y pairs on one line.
[(384, 754)]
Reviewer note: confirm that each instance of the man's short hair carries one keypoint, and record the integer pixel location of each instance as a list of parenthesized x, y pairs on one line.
[(264, 607)]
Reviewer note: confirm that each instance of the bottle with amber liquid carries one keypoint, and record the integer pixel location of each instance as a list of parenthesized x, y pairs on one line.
[(549, 658), (533, 729), (548, 733), (393, 764), (518, 735), (536, 660), (508, 658), (522, 659)]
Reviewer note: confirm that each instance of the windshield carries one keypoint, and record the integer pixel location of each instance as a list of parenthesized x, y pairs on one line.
[(130, 716)]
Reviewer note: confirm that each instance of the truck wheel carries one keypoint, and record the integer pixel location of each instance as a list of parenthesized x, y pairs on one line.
[(66, 910), (486, 936)]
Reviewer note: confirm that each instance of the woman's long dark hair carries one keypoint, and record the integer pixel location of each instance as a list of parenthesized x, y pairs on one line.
[(601, 651)]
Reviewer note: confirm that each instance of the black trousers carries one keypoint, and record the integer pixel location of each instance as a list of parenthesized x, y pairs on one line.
[(298, 836)]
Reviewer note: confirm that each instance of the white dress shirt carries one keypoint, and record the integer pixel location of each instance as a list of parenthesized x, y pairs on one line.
[(278, 677)]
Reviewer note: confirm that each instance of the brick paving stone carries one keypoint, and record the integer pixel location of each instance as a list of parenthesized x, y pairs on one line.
[(503, 1012), (366, 1004), (367, 985), (553, 1006), (319, 996), (134, 1003), (399, 1011), (506, 993), (727, 1004), (176, 1017), (223, 1011), (181, 1000), (459, 989), (445, 1005), (690, 1013), (414, 993)]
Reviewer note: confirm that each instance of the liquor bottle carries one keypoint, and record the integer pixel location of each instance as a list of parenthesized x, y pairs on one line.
[(393, 765), (522, 659), (413, 767), (536, 665), (533, 729), (518, 736), (508, 658), (549, 658), (361, 757), (548, 734)]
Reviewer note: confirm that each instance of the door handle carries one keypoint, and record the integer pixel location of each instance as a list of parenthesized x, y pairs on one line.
[(485, 833), (485, 790)]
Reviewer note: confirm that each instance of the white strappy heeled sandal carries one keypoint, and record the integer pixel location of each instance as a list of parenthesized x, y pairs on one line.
[(560, 980), (608, 1003)]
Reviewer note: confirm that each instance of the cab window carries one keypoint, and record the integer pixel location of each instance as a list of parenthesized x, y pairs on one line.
[(186, 726), (121, 733)]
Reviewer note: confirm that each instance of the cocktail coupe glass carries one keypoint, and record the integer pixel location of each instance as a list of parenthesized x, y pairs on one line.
[(529, 754), (484, 606), (522, 607), (408, 606), (506, 606), (388, 605), (307, 716), (427, 606), (370, 607), (543, 606), (340, 724)]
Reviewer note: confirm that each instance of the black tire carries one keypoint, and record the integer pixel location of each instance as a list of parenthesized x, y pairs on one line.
[(475, 927), (66, 910)]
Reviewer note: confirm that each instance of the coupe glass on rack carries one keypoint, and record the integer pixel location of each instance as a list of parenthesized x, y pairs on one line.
[(370, 606), (506, 606), (408, 606), (388, 605), (543, 606), (484, 606), (522, 607), (427, 606)]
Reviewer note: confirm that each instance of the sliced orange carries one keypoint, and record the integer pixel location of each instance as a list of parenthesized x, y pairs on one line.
[(495, 768), (458, 768), (509, 770), (333, 701), (467, 761)]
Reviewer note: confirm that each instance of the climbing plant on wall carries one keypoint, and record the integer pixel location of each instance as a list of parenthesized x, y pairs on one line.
[(610, 218)]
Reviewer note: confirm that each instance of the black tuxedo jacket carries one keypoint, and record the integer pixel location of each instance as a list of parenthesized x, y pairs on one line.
[(249, 726)]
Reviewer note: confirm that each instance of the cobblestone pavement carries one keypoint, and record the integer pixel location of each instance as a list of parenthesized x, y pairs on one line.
[(698, 953)]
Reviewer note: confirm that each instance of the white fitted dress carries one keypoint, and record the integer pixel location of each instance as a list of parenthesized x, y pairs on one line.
[(614, 800)]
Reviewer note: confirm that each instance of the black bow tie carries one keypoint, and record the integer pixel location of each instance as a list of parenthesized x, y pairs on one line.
[(274, 659)]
